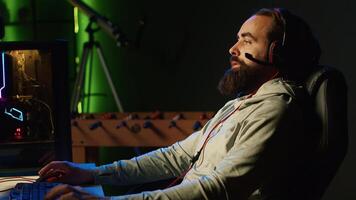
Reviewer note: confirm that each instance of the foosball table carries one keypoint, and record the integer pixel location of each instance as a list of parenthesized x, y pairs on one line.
[(139, 129)]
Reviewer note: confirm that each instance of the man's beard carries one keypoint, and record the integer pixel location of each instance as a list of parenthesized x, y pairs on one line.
[(233, 82), (238, 81)]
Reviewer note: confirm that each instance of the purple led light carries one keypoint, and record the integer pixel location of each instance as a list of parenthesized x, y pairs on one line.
[(3, 73)]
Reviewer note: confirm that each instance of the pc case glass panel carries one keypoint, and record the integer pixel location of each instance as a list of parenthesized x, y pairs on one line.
[(27, 132)]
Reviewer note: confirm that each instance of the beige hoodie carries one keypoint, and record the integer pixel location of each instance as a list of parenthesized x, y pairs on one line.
[(258, 149)]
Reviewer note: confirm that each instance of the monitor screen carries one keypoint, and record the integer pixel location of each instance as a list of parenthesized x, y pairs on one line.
[(34, 107)]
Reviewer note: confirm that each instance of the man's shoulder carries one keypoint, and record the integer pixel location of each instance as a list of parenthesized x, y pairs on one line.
[(276, 96), (280, 86)]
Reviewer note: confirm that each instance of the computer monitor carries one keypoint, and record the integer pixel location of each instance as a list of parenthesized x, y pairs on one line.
[(34, 106)]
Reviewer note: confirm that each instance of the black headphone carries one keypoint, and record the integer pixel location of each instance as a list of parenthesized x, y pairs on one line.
[(297, 44), (277, 48)]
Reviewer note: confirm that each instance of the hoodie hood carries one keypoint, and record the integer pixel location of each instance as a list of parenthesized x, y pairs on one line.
[(274, 87)]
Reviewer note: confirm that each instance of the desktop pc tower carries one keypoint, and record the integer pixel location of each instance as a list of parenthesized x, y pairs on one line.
[(34, 106)]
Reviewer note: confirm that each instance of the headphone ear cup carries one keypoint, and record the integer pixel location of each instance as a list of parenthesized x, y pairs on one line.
[(271, 52), (275, 52)]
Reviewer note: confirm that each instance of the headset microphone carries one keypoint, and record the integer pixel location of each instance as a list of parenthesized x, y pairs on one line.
[(250, 57)]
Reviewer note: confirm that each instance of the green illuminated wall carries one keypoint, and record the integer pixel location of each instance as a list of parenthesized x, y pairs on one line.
[(17, 16), (96, 90), (28, 20), (97, 94)]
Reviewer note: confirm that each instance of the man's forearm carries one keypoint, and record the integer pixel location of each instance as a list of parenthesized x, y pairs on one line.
[(163, 163), (208, 187)]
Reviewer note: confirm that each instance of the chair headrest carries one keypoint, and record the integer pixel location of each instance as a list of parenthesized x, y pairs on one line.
[(322, 73)]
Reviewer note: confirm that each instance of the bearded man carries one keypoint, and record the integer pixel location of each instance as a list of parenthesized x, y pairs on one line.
[(255, 147)]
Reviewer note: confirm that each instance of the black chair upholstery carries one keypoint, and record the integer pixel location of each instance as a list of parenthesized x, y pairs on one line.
[(328, 91)]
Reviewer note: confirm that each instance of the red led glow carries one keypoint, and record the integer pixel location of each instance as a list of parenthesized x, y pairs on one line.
[(18, 134)]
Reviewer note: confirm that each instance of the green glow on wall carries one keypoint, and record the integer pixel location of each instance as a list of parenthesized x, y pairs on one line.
[(15, 30), (12, 6), (18, 29), (95, 84), (12, 33)]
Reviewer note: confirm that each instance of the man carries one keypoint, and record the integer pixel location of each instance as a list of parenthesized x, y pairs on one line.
[(256, 147)]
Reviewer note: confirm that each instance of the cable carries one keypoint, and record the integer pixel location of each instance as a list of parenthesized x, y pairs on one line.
[(49, 110), (196, 156), (201, 150)]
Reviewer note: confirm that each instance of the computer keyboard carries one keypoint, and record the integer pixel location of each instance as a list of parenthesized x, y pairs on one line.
[(30, 191)]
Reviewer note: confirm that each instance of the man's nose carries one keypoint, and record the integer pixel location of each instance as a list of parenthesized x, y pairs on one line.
[(234, 50)]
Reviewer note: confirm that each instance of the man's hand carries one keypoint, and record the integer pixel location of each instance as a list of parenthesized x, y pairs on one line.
[(65, 172), (68, 192)]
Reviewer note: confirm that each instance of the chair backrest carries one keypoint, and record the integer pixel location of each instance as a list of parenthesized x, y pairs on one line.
[(328, 90)]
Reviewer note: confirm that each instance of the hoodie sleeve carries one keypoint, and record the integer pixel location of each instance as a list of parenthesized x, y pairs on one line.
[(268, 135), (163, 163)]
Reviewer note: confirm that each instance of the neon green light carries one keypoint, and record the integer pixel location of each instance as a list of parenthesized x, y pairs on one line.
[(76, 25), (77, 60), (79, 107)]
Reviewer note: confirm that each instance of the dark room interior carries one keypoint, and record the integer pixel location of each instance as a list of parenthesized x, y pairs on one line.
[(166, 57)]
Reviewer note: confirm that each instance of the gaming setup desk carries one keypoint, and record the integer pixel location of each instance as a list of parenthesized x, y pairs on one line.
[(36, 126), (34, 114)]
